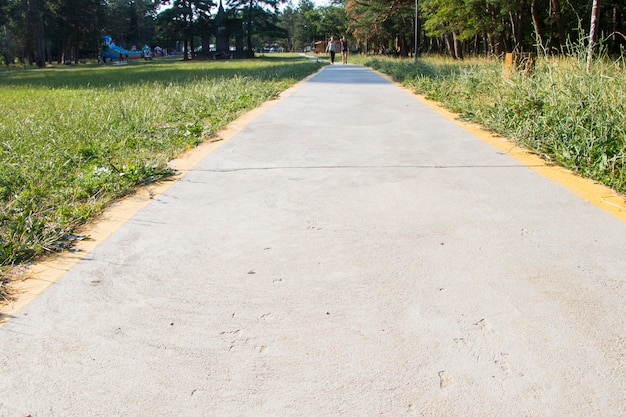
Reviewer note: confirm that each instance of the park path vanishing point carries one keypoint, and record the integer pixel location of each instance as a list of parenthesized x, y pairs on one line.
[(349, 252)]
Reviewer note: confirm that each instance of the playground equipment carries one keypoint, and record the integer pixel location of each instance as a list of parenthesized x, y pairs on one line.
[(113, 52)]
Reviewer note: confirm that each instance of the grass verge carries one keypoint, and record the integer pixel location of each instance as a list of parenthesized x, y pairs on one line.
[(74, 139)]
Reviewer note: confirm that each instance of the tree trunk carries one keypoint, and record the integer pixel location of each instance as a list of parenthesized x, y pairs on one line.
[(491, 45), (556, 12), (614, 36), (66, 48), (40, 59), (618, 39), (458, 50), (35, 13), (533, 13), (76, 48), (592, 32), (449, 45), (505, 36), (188, 34), (493, 36), (402, 45), (517, 25), (249, 34)]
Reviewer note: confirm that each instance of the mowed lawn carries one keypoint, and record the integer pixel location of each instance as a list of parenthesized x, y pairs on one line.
[(75, 138)]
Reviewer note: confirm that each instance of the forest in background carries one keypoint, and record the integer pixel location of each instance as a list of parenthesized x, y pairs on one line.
[(37, 32), (486, 27)]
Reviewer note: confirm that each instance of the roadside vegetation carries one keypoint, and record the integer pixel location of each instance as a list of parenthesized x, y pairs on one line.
[(74, 139), (568, 115)]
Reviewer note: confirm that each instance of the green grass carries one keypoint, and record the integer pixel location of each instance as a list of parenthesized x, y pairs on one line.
[(569, 116), (74, 139)]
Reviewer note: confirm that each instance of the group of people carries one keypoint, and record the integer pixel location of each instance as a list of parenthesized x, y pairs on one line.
[(343, 45)]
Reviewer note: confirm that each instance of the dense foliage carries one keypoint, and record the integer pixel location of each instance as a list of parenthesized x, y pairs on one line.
[(38, 31), (459, 27)]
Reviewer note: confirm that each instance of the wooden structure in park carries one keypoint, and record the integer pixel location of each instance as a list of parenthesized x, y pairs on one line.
[(522, 62)]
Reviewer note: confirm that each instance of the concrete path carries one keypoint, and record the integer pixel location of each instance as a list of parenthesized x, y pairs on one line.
[(350, 252)]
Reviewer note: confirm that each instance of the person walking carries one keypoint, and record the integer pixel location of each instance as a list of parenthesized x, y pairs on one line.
[(344, 50), (331, 49)]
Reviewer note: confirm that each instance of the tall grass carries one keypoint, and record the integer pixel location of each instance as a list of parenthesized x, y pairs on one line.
[(73, 139), (568, 115)]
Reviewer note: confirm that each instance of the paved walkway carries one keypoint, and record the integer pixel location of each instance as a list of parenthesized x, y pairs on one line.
[(350, 252)]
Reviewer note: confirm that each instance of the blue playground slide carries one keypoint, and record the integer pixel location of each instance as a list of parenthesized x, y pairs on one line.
[(110, 51)]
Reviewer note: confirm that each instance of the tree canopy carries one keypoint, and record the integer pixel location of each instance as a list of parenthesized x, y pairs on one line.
[(483, 26), (40, 31), (46, 31)]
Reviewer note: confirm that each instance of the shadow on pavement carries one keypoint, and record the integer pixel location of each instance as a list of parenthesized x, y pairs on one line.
[(350, 74)]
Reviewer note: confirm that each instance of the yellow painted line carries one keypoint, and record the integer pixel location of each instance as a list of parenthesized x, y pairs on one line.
[(597, 194), (29, 282)]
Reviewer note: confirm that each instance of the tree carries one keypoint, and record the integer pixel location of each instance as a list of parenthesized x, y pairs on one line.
[(555, 9), (130, 22), (8, 47), (331, 21), (362, 23), (259, 15), (307, 23), (28, 27), (183, 19), (288, 20), (447, 19), (304, 32), (268, 31), (72, 23), (592, 32), (382, 23), (616, 22)]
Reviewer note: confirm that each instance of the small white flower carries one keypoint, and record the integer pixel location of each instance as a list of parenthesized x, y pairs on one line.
[(101, 170)]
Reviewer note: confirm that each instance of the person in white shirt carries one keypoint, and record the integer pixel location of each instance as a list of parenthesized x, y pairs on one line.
[(331, 49)]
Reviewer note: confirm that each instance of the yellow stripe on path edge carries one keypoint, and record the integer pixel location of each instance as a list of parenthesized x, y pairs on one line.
[(597, 194)]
